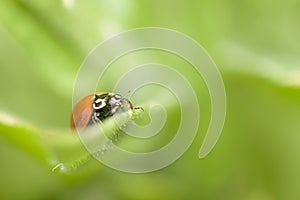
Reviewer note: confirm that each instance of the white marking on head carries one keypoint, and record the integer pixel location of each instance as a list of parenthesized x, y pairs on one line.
[(102, 103)]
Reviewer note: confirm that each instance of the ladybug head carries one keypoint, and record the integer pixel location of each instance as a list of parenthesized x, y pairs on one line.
[(106, 105)]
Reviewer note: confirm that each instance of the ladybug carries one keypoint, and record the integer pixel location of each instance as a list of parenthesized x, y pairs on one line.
[(97, 107)]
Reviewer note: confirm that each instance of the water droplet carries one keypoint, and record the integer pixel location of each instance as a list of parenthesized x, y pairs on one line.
[(59, 167)]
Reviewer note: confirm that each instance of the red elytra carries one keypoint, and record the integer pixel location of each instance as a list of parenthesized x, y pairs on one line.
[(82, 112)]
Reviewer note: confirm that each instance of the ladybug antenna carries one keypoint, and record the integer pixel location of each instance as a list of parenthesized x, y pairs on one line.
[(127, 94)]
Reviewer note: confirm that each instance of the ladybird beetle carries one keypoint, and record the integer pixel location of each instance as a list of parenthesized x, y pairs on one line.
[(96, 107)]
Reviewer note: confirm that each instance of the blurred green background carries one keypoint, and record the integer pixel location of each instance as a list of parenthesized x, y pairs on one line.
[(255, 44)]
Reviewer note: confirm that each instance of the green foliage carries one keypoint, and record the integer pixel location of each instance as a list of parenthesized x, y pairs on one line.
[(254, 43)]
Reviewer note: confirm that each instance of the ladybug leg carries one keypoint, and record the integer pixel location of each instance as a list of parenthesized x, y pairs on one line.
[(138, 108), (134, 108), (130, 105)]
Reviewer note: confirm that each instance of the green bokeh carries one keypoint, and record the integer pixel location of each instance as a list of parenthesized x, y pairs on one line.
[(255, 44)]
